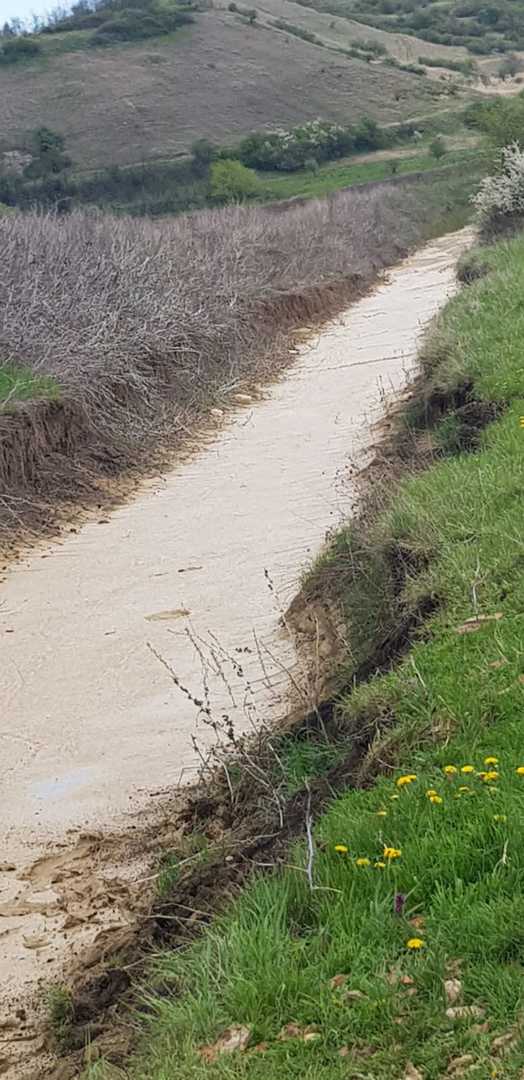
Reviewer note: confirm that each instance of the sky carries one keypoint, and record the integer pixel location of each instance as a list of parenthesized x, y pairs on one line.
[(9, 9)]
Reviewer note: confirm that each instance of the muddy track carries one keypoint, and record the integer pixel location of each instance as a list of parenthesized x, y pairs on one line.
[(132, 644)]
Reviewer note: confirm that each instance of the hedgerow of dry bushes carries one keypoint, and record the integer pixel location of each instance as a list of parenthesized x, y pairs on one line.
[(146, 323)]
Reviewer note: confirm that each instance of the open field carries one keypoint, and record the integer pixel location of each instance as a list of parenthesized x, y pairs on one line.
[(390, 945), (219, 78), (335, 175)]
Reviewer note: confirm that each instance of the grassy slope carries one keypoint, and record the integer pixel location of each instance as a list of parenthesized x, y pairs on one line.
[(218, 78), (344, 31), (335, 175), (453, 700), (440, 21)]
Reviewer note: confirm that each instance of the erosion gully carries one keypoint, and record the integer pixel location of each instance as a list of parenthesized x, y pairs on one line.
[(188, 580)]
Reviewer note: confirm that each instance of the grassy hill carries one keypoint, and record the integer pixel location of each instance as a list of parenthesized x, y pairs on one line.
[(218, 77), (342, 30), (479, 27)]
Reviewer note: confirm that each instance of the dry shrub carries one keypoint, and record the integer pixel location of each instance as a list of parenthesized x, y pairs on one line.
[(144, 324)]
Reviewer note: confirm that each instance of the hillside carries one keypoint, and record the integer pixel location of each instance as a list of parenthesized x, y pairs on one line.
[(219, 78), (470, 23), (344, 31)]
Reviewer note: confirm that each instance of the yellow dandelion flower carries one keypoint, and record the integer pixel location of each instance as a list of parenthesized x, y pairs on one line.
[(499, 817), (380, 865), (402, 781), (489, 777), (415, 943), (362, 862), (431, 791), (467, 768), (392, 853), (491, 761), (341, 849), (382, 813), (435, 799), (520, 770), (450, 770)]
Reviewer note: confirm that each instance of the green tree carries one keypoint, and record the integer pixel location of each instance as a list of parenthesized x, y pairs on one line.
[(48, 154), (502, 121), (437, 148), (202, 153), (232, 182)]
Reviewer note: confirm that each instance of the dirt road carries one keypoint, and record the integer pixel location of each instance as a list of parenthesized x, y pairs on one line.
[(192, 574)]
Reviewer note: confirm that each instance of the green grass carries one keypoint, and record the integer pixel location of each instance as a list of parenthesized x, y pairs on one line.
[(60, 1011), (455, 699), (22, 384), (345, 173)]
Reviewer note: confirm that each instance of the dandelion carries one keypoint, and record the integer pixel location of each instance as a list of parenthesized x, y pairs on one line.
[(382, 813), (491, 761), (380, 865), (450, 770), (392, 853), (500, 818), (488, 777), (341, 849), (404, 780), (435, 799), (468, 768), (520, 770), (431, 791), (362, 861), (415, 943)]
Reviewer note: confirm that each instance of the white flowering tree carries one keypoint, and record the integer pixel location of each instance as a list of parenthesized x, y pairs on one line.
[(500, 198)]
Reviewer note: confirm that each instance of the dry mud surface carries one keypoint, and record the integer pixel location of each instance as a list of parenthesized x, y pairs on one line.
[(121, 642)]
